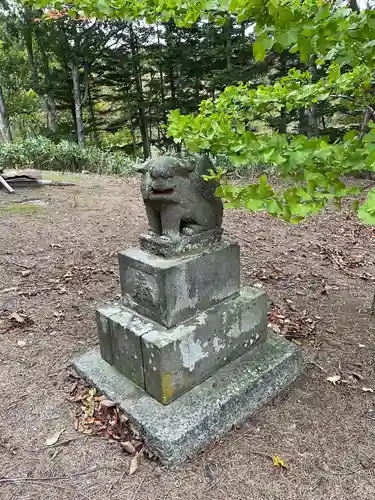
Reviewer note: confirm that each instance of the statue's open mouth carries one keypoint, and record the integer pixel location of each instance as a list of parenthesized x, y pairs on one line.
[(162, 191)]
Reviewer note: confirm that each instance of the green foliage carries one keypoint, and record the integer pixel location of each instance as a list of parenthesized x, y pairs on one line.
[(41, 153), (327, 36)]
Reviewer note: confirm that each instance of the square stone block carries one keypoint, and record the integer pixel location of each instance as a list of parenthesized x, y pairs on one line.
[(126, 330), (102, 320), (170, 291), (120, 331), (236, 392), (177, 359)]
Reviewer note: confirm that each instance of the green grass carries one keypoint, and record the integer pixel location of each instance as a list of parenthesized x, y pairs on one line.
[(60, 176), (19, 209)]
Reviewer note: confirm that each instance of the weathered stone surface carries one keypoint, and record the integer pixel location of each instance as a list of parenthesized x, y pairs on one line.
[(177, 431), (172, 247), (170, 291), (169, 362), (126, 330), (179, 201), (177, 359), (102, 316)]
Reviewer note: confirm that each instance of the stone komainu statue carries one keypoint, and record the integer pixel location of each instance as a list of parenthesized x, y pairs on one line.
[(178, 200)]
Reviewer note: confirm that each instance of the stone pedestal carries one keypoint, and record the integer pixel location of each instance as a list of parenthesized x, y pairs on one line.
[(172, 290), (177, 431), (186, 353)]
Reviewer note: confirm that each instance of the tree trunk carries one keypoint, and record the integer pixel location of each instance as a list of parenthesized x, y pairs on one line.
[(161, 77), (5, 130), (283, 115), (49, 102), (138, 84), (133, 138), (353, 4), (80, 128), (312, 113), (93, 120), (30, 57), (302, 121), (228, 43)]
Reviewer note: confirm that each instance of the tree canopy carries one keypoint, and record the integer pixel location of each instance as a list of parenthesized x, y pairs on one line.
[(335, 45)]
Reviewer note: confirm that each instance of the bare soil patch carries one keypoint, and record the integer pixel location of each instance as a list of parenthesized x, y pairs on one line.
[(58, 262)]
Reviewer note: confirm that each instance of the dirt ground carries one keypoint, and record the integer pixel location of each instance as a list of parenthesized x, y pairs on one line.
[(58, 261)]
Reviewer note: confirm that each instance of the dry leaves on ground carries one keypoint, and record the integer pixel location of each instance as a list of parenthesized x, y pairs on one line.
[(354, 378), (97, 415), (344, 262), (294, 327), (51, 440), (279, 462), (16, 320)]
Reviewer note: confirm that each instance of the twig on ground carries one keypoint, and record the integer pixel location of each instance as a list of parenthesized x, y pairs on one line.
[(311, 362), (7, 290), (17, 264), (137, 489), (61, 488), (51, 478), (261, 454), (36, 291), (116, 480), (15, 403), (63, 443)]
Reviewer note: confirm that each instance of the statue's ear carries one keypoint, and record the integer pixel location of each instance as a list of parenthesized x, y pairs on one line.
[(190, 166), (143, 167), (204, 165)]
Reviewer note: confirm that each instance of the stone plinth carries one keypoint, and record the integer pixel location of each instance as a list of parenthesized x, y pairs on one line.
[(170, 248), (234, 393), (169, 291), (169, 362)]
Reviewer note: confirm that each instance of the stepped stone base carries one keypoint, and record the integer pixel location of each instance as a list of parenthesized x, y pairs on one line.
[(169, 362), (177, 431)]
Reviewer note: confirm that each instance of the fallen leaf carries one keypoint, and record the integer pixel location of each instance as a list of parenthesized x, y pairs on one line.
[(54, 438), (367, 389), (127, 447), (100, 398), (356, 375), (135, 463), (137, 445), (25, 273), (107, 403), (18, 318), (279, 462), (21, 343), (334, 379)]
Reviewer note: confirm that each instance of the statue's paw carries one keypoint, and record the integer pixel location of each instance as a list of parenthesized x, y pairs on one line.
[(188, 231), (165, 237), (191, 229)]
